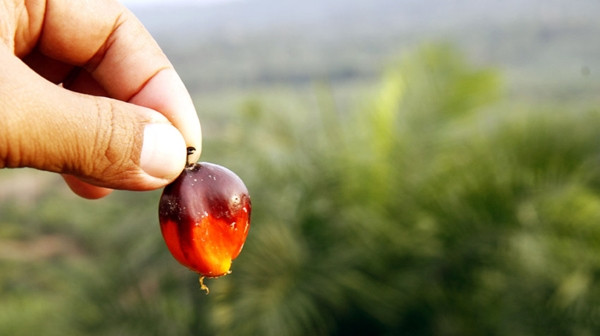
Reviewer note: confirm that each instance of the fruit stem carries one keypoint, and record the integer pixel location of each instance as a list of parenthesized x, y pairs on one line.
[(203, 286), (190, 151)]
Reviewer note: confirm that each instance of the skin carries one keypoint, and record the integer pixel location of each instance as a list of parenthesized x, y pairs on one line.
[(86, 92)]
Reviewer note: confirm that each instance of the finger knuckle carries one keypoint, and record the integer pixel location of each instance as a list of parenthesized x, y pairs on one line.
[(115, 150)]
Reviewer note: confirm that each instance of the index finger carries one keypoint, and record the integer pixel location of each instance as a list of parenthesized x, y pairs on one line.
[(114, 47)]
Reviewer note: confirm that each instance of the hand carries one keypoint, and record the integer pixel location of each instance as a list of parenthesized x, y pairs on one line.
[(86, 92)]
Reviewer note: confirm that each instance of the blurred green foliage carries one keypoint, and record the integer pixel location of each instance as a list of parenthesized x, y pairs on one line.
[(435, 207)]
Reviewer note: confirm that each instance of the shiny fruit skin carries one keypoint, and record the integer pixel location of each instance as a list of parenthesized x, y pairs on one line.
[(205, 217)]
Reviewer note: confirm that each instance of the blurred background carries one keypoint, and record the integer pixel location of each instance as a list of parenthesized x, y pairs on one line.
[(416, 168)]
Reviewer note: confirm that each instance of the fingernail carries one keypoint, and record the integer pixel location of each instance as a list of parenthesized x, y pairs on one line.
[(163, 152)]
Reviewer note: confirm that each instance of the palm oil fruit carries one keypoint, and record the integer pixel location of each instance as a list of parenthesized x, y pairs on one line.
[(204, 218)]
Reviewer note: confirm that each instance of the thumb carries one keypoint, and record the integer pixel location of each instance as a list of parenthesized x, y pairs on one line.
[(101, 141)]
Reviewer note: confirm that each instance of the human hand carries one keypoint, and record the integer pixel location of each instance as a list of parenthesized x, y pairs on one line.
[(86, 92)]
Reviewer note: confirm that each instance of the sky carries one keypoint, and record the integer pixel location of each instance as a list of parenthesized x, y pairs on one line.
[(166, 2)]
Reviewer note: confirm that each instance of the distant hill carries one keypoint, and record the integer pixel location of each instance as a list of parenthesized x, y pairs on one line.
[(265, 42)]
